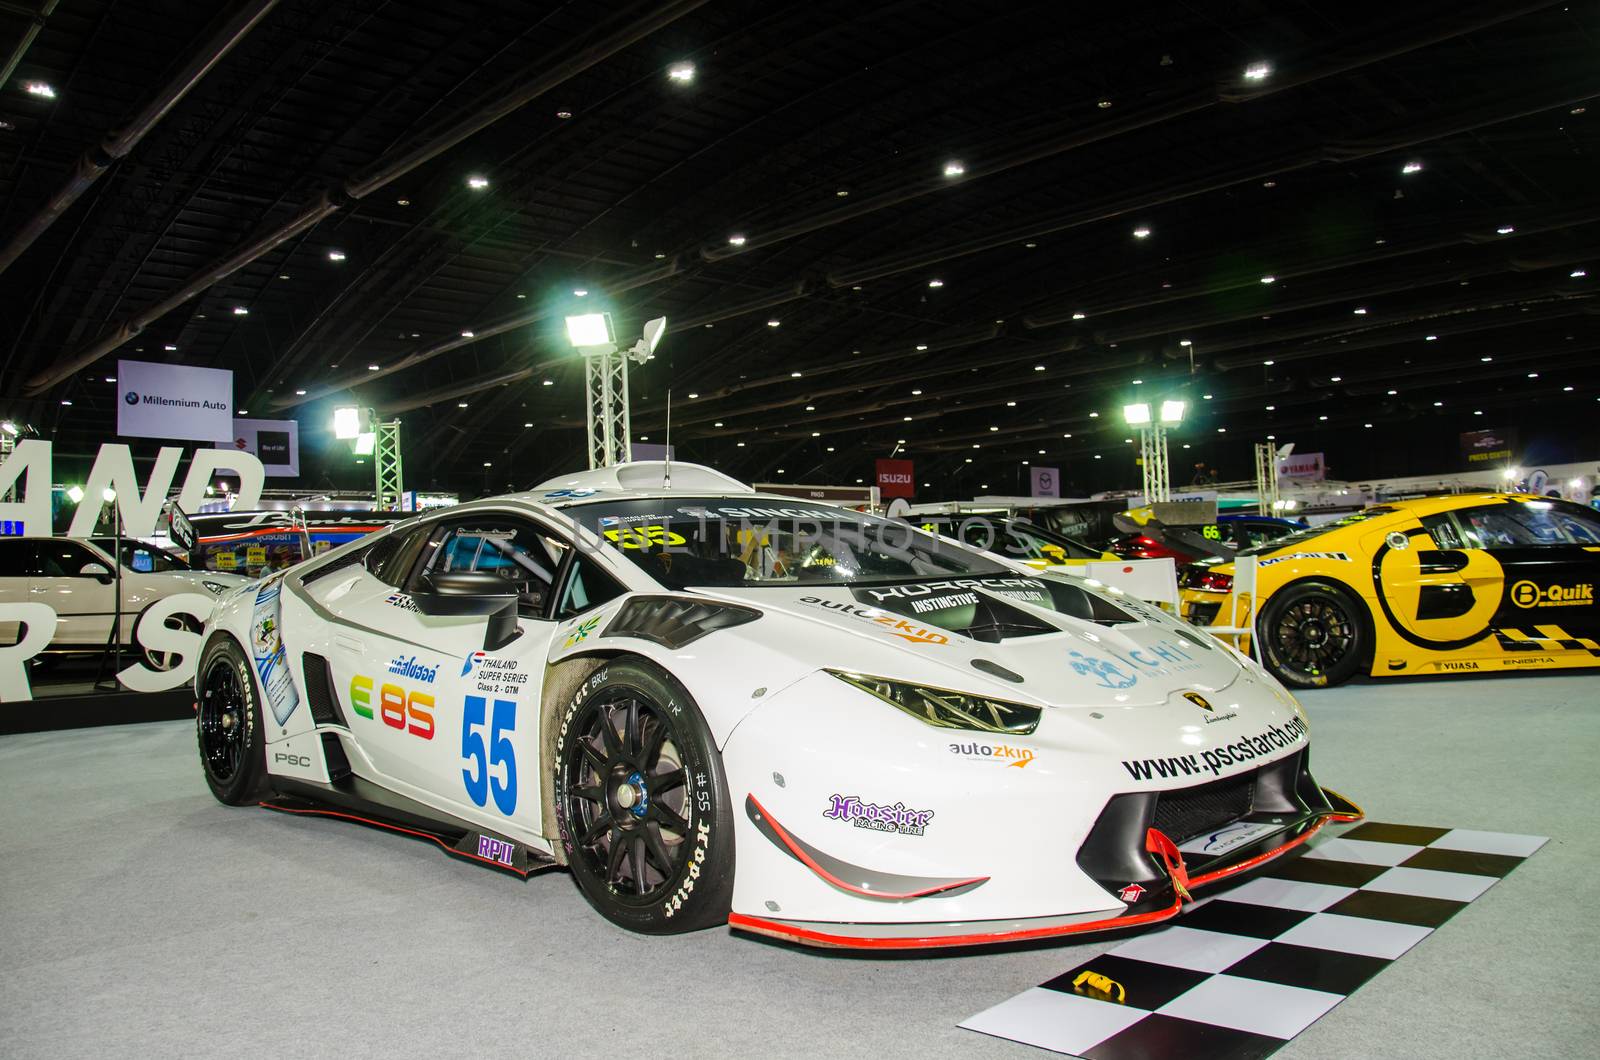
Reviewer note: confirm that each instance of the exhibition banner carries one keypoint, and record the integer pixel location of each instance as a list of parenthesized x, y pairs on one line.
[(1046, 482), (1308, 467), (1480, 448), (174, 401), (275, 442), (896, 478)]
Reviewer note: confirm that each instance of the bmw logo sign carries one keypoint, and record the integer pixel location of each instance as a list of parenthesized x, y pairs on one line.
[(131, 398)]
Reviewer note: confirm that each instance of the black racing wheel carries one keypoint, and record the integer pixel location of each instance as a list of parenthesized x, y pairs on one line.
[(1313, 635), (229, 725), (642, 803)]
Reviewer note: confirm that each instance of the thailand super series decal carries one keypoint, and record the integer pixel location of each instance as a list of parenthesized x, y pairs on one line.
[(272, 662), (495, 675)]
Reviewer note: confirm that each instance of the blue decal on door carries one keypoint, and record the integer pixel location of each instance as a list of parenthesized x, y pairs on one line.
[(482, 760)]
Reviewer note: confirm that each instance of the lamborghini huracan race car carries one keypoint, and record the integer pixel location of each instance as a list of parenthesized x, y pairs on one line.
[(1457, 584), (714, 706)]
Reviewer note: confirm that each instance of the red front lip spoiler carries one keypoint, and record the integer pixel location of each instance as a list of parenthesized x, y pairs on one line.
[(1182, 884)]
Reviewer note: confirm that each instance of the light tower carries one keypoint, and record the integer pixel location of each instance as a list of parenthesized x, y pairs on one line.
[(605, 376), (379, 439), (1153, 444)]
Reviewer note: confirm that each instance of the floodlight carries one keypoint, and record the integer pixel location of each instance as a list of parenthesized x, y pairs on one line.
[(75, 494), (346, 422), (9, 427), (109, 494), (1512, 474), (366, 442), (653, 330), (1172, 412), (1136, 415), (590, 329)]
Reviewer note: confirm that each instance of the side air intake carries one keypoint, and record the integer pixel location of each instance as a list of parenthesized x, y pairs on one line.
[(319, 691)]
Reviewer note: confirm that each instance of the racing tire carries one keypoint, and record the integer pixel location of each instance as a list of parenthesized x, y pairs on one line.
[(1313, 635), (641, 802), (228, 725)]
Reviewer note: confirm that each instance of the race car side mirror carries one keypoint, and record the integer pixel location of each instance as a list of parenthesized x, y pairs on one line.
[(464, 593), (468, 593)]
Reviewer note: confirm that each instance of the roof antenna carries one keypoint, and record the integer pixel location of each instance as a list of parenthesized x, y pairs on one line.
[(666, 482)]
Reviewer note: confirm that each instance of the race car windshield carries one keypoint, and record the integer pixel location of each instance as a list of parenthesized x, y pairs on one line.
[(1300, 537), (724, 542)]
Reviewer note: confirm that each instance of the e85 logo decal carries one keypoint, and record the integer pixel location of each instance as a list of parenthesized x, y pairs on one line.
[(405, 709)]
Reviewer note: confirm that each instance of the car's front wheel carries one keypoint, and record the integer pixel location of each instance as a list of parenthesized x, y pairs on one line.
[(1312, 635), (228, 725), (642, 803)]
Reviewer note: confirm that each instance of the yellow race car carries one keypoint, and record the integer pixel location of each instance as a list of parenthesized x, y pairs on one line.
[(1456, 584)]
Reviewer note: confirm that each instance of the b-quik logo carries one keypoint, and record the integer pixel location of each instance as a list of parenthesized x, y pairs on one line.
[(1527, 594)]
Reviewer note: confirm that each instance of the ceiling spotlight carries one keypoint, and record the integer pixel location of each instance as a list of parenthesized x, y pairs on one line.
[(1392, 393), (935, 283), (1335, 378), (461, 404), (1269, 363), (1411, 167), (1038, 368), (580, 292), (682, 73), (527, 424), (1430, 338), (794, 375), (1078, 316), (1258, 71), (1438, 404), (811, 408), (372, 368), (736, 241), (549, 382), (1566, 390), (1485, 360), (1360, 310), (468, 334), (563, 114), (39, 89), (1505, 230), (1533, 375), (170, 348), (402, 202), (1185, 343), (954, 168), (5, 125), (1269, 184), (240, 311), (922, 346), (1577, 110), (1104, 104), (774, 323), (1269, 279), (477, 182), (299, 393), (1141, 232), (843, 193), (335, 255), (1205, 397), (1577, 274)]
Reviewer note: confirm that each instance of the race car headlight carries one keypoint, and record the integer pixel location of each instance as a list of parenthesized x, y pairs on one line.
[(215, 587), (945, 709)]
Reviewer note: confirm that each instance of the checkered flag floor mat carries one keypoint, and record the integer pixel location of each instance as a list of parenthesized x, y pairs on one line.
[(1242, 973)]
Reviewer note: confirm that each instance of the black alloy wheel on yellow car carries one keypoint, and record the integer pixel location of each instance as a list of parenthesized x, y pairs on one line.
[(1313, 635)]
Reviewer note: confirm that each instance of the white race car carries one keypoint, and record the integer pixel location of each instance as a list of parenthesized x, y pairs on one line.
[(714, 706)]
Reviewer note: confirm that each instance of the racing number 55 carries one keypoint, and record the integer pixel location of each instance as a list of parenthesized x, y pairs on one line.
[(480, 760)]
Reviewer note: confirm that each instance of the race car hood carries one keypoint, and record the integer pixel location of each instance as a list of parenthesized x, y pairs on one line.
[(1046, 639)]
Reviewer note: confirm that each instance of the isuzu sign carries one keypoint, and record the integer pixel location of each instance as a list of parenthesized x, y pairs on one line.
[(174, 401), (896, 478)]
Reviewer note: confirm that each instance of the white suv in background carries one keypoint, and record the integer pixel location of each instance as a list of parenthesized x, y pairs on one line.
[(76, 579)]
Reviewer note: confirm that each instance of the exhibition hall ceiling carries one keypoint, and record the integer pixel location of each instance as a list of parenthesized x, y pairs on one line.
[(966, 232)]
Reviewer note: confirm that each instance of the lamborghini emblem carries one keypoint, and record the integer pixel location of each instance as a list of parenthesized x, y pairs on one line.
[(1198, 700)]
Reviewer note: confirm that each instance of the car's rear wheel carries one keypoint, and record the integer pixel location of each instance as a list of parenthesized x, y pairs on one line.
[(1313, 635), (228, 725), (162, 661), (642, 803)]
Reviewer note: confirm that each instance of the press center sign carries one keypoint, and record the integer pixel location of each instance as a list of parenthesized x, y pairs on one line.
[(174, 401)]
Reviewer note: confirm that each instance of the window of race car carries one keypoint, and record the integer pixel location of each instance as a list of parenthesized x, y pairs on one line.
[(1016, 539), (1520, 524), (721, 542), (1300, 537)]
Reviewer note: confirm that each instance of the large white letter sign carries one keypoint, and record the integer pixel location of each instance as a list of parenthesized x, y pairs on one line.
[(154, 634), (33, 510), (40, 623), (113, 467), (207, 462)]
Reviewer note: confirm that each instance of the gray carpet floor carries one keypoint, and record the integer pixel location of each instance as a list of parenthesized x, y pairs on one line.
[(140, 918)]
